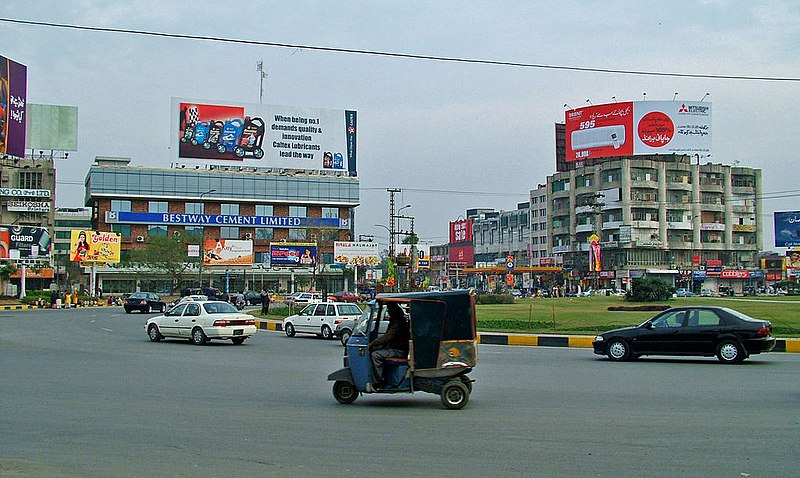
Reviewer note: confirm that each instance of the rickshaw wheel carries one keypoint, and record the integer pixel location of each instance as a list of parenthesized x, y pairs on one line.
[(344, 391), (455, 395)]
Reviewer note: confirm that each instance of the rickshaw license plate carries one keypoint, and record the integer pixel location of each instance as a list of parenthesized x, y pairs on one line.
[(238, 331)]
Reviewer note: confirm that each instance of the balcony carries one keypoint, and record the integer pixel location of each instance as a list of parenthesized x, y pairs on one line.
[(611, 224), (584, 228), (744, 209), (583, 210), (645, 224), (679, 225), (679, 186), (561, 249)]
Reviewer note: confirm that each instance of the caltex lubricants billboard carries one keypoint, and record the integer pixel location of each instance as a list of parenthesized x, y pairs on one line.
[(636, 128), (264, 136)]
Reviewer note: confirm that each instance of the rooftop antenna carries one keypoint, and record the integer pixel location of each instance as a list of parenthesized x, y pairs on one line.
[(262, 75)]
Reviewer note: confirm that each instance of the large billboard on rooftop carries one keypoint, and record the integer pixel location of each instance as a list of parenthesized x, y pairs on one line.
[(638, 128), (13, 96), (264, 136)]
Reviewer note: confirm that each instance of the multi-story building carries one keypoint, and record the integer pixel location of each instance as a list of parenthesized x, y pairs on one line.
[(660, 214), (288, 200)]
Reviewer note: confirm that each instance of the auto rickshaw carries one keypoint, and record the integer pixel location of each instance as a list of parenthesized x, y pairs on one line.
[(442, 348)]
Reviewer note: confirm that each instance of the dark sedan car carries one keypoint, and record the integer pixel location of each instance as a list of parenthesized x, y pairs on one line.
[(144, 302), (703, 331)]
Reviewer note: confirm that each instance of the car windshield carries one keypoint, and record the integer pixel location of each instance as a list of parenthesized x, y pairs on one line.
[(138, 295), (219, 308), (739, 315)]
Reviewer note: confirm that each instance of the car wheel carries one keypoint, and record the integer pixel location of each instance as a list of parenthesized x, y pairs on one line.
[(455, 395), (618, 350), (326, 332), (127, 310), (289, 329), (153, 333), (730, 351), (237, 340), (344, 391), (345, 336), (198, 336)]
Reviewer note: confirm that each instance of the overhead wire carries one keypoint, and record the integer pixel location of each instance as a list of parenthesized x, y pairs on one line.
[(412, 56)]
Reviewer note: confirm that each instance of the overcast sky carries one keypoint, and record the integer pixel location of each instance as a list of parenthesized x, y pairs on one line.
[(452, 135)]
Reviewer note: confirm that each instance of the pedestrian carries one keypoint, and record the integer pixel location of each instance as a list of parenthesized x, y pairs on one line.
[(53, 298), (68, 300), (265, 300)]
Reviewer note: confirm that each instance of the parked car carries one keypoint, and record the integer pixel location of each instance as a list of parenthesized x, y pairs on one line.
[(303, 298), (707, 293), (145, 302), (253, 297), (344, 296), (516, 293), (683, 293), (703, 331), (320, 319), (202, 321)]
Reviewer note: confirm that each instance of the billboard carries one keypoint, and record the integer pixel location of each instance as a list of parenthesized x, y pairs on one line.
[(787, 228), (227, 252), (13, 96), (24, 242), (638, 127), (94, 246), (267, 136), (461, 231), (356, 253), (299, 254), (465, 254), (52, 127)]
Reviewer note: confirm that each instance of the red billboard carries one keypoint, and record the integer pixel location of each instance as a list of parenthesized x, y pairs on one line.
[(465, 254), (636, 128), (461, 231)]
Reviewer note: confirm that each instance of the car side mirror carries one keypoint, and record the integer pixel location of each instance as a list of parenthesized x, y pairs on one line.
[(648, 325)]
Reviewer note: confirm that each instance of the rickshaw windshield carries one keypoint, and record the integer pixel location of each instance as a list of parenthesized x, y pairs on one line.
[(363, 322)]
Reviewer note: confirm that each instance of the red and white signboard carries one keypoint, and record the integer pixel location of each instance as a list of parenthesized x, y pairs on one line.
[(461, 231), (641, 127)]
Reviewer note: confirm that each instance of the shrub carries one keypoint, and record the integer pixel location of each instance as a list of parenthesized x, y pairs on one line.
[(638, 308), (494, 299), (649, 290)]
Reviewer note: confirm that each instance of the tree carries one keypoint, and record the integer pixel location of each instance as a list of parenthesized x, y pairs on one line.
[(166, 255), (649, 290)]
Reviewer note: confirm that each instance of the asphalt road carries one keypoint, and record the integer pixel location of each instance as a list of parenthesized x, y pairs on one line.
[(84, 393)]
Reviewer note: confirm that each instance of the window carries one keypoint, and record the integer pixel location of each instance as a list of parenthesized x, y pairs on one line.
[(159, 207), (194, 208), (30, 180), (330, 212), (297, 234), (265, 232), (229, 232), (123, 230)]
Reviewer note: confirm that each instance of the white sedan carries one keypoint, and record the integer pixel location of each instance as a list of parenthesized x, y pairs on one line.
[(202, 321), (320, 319)]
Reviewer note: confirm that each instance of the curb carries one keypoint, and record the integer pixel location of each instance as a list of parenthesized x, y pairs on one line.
[(530, 340), (32, 307)]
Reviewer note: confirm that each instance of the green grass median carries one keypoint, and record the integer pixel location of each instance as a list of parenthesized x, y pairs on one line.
[(590, 315)]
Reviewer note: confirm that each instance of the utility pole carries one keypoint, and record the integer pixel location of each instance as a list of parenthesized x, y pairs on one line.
[(262, 75), (392, 231)]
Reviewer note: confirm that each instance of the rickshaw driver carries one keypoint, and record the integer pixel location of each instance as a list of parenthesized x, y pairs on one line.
[(392, 344)]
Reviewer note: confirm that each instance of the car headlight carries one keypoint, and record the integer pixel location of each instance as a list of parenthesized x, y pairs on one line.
[(598, 338)]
